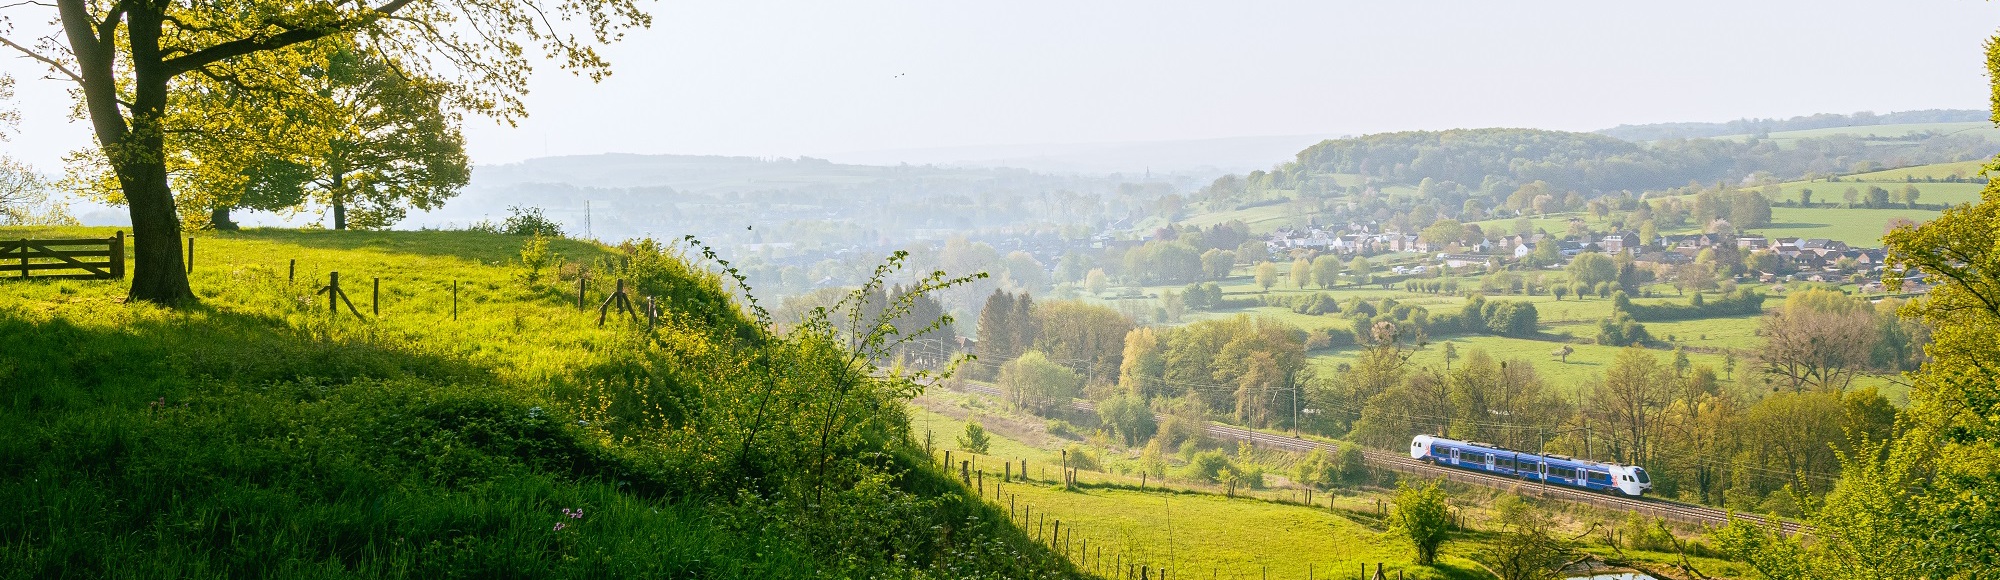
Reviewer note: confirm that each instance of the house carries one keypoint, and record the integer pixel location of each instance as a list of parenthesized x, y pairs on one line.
[(1822, 244), (1463, 260), (1523, 250), (1753, 243), (1870, 256), (1666, 258), (1693, 241), (1615, 242), (1570, 248)]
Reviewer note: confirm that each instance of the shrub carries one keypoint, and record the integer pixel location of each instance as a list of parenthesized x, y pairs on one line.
[(529, 221), (535, 256), (1621, 330), (1128, 416), (1645, 533), (1207, 466), (1082, 457), (1203, 296), (1349, 466), (974, 439)]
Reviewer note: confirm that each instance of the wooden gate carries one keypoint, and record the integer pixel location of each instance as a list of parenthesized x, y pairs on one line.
[(24, 258)]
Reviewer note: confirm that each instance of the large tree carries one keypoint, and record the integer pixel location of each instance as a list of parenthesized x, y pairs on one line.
[(392, 146), (125, 57)]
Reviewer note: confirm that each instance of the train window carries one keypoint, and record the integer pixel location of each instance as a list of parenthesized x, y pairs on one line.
[(1600, 477)]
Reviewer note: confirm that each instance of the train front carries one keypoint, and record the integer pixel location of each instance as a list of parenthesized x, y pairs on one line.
[(1420, 448), (1632, 480)]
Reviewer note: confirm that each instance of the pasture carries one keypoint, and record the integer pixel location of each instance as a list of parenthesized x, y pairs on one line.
[(1857, 227)]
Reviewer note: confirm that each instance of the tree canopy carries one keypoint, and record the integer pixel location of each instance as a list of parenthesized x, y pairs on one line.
[(125, 57)]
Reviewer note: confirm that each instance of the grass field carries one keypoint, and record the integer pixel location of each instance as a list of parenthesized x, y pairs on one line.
[(1262, 219), (1827, 193), (256, 435), (1934, 170), (1857, 227)]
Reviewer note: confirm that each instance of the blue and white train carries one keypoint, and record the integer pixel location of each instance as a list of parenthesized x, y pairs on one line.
[(1552, 469)]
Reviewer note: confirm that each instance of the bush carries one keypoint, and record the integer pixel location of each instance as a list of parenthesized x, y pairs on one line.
[(1644, 533), (1349, 466), (1203, 296), (535, 256), (529, 221), (974, 439), (1129, 417), (1082, 457), (1621, 330), (1207, 466)]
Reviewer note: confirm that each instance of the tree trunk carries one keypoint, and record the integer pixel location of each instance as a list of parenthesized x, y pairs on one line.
[(135, 151), (339, 196), (219, 219)]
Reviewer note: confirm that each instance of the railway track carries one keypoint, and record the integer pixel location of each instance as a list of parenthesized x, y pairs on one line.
[(1666, 509)]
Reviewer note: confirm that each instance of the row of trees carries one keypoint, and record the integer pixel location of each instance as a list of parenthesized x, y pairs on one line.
[(1702, 438)]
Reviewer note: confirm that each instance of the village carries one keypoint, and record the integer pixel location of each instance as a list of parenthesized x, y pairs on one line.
[(1751, 257)]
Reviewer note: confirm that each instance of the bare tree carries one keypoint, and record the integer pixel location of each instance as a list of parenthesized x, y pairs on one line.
[(1635, 391), (1817, 343)]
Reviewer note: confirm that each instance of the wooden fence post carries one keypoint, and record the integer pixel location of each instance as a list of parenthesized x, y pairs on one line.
[(190, 264), (375, 303), (333, 293), (291, 269), (24, 257), (579, 292), (118, 255), (454, 300)]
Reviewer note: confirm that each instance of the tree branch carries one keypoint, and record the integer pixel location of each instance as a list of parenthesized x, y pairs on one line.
[(54, 64), (243, 46)]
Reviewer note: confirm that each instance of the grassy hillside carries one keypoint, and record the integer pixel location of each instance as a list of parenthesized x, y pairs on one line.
[(259, 436)]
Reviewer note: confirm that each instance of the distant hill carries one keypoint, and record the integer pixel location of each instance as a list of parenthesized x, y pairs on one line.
[(1485, 159), (1201, 158), (1658, 131)]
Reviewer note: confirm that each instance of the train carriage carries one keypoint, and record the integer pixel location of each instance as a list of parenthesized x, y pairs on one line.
[(1560, 470)]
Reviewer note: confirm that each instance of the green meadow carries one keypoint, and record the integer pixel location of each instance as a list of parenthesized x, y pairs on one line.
[(258, 435)]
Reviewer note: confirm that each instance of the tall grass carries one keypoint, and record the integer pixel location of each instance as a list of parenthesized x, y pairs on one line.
[(259, 435)]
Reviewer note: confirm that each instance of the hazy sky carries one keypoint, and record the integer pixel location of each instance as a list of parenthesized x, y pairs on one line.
[(822, 78)]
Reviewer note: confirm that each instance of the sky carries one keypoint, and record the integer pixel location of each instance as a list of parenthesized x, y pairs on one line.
[(827, 79)]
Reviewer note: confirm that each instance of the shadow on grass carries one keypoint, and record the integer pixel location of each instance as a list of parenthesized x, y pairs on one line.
[(142, 359), (476, 246)]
